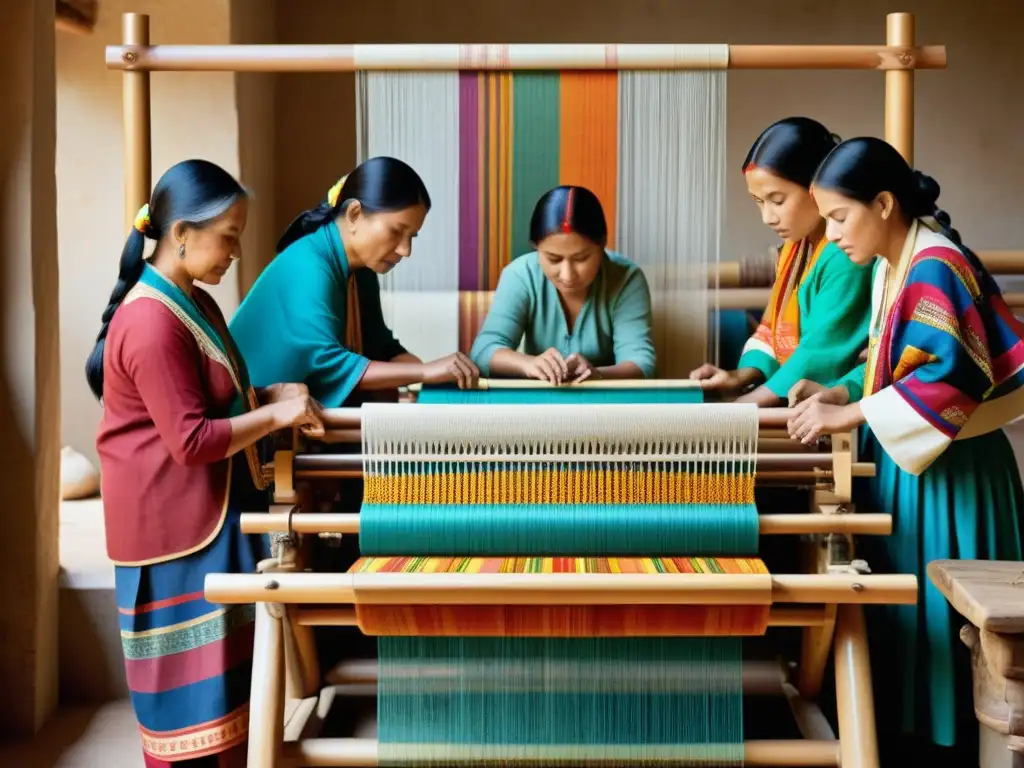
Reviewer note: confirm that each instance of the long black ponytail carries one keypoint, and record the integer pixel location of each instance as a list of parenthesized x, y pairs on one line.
[(864, 167), (379, 184), (193, 192)]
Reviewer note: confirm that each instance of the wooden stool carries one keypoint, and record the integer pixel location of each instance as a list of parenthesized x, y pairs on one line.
[(990, 595)]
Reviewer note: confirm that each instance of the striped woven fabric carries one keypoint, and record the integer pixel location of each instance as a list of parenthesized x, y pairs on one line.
[(562, 620), (559, 565)]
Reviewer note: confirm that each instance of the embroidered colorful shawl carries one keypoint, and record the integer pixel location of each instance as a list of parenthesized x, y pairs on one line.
[(946, 356), (779, 330), (213, 338)]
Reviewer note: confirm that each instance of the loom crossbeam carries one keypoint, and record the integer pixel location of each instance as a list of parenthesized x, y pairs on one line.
[(352, 418), (560, 588), (504, 57), (366, 752), (770, 524)]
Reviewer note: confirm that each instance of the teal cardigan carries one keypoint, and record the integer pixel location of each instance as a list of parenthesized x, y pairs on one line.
[(613, 326), (835, 307), (291, 325)]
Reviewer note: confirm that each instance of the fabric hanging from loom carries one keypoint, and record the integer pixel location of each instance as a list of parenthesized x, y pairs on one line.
[(650, 145), (501, 490)]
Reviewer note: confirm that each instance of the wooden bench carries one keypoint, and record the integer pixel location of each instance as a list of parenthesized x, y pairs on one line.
[(990, 595)]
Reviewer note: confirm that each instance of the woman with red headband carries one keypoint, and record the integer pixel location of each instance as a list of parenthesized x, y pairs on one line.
[(816, 321), (579, 311)]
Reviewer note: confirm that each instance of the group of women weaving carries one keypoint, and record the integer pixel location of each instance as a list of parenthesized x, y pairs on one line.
[(869, 265)]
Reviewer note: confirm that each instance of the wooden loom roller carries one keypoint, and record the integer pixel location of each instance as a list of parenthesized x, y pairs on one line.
[(775, 464)]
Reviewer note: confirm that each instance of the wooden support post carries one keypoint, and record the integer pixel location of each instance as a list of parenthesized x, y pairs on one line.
[(266, 706), (301, 666), (30, 380), (138, 148), (855, 705), (899, 88)]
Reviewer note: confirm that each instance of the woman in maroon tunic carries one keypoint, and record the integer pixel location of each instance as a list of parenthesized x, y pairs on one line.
[(178, 413)]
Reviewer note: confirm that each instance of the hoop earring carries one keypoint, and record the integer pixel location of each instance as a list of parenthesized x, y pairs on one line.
[(181, 251)]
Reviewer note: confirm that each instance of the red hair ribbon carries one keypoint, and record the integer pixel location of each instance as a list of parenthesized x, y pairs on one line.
[(566, 227)]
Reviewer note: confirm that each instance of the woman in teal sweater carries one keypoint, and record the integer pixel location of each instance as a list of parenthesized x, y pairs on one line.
[(816, 322), (315, 313), (579, 311)]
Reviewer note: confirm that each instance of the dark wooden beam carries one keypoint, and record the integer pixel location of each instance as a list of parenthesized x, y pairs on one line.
[(77, 16)]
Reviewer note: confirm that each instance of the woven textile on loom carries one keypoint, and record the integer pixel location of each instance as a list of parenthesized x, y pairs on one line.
[(506, 392), (649, 144), (462, 491)]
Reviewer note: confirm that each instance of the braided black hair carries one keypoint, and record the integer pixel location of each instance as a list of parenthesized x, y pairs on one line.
[(194, 192)]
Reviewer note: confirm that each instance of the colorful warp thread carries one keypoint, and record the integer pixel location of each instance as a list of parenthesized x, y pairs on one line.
[(564, 395), (650, 145), (559, 701), (461, 480), (502, 489)]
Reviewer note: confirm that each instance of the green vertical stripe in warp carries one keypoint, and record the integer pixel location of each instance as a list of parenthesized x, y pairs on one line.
[(535, 142)]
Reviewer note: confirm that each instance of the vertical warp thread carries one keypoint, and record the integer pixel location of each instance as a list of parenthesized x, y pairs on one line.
[(417, 120), (671, 168)]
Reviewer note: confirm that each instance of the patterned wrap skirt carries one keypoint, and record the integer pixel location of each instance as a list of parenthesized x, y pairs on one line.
[(189, 662)]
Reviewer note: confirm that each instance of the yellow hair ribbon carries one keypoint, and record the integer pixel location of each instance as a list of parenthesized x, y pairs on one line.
[(335, 191), (142, 219)]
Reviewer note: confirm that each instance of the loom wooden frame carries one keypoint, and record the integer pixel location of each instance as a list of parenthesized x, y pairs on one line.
[(897, 59), (280, 644), (829, 619)]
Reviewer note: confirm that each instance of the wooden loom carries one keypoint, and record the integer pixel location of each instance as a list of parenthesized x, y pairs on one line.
[(825, 602)]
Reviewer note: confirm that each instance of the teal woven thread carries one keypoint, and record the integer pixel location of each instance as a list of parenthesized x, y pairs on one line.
[(568, 395), (636, 698), (541, 530)]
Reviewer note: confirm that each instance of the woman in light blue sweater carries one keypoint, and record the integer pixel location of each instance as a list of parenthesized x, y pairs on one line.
[(579, 311)]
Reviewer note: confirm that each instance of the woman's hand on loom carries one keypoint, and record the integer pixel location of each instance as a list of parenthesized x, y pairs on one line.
[(581, 369), (457, 367), (275, 393), (805, 389), (814, 417), (549, 366), (716, 378), (300, 411)]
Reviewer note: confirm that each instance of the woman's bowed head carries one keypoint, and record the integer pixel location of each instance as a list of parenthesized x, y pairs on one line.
[(868, 196)]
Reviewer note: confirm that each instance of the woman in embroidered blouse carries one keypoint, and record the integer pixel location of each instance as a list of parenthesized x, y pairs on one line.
[(816, 321), (580, 311), (177, 412), (314, 314), (943, 375)]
